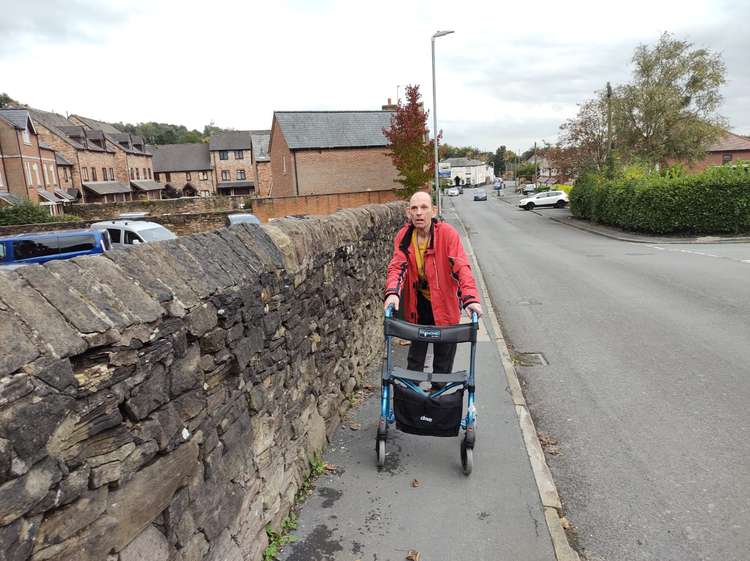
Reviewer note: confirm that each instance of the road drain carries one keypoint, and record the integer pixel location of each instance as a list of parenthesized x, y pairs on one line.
[(530, 359)]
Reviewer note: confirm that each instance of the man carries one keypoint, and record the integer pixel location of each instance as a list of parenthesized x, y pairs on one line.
[(430, 276)]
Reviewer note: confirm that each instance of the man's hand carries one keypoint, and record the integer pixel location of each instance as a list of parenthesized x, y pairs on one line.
[(474, 307), (392, 300)]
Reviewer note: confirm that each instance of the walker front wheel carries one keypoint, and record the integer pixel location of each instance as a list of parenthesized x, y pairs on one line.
[(467, 458), (380, 449)]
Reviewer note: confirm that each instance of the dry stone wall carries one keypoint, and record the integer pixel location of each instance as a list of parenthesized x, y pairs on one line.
[(164, 402)]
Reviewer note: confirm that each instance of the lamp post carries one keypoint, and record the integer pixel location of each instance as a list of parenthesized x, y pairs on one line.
[(434, 119)]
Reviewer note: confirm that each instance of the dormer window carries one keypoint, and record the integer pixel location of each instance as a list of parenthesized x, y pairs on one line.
[(26, 136)]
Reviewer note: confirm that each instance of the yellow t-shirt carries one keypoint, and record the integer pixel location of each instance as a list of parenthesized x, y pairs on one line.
[(419, 251)]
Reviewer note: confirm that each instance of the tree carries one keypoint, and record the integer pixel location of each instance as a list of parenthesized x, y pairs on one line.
[(668, 112), (498, 161), (7, 101), (583, 139), (411, 152)]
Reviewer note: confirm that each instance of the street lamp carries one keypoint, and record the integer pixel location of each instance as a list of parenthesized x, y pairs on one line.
[(434, 119)]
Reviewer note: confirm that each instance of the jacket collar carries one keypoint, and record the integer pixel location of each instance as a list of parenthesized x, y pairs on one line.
[(406, 240)]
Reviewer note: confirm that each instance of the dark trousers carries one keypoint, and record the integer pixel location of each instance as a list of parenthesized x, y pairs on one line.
[(444, 353)]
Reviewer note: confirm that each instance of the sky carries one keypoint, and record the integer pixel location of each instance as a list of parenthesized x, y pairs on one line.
[(509, 75)]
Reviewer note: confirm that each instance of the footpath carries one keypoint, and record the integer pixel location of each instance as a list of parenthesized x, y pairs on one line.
[(421, 506)]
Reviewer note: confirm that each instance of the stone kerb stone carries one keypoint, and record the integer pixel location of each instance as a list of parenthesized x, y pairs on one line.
[(170, 397)]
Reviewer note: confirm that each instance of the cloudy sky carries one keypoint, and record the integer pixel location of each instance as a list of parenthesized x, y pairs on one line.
[(510, 74)]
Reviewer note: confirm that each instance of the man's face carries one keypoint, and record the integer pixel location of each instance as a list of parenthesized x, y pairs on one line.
[(420, 210)]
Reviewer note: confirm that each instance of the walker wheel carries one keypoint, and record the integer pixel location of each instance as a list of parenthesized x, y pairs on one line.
[(381, 453), (467, 458)]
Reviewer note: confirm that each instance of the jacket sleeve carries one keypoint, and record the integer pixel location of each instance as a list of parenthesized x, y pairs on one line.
[(396, 275), (461, 271)]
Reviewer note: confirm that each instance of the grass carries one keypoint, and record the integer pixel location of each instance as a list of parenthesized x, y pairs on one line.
[(277, 540)]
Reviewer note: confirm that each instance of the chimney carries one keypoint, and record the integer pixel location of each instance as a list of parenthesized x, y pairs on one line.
[(389, 106)]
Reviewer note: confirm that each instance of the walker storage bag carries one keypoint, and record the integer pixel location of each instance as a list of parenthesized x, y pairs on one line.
[(428, 416)]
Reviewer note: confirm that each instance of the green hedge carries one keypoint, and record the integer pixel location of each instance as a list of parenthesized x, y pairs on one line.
[(716, 201), (29, 213)]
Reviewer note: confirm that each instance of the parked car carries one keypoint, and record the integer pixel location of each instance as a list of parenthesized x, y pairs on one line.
[(40, 247), (480, 195), (452, 192), (528, 189), (242, 218), (132, 232), (557, 199)]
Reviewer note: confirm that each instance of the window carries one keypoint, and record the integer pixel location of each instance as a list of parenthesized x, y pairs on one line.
[(26, 137), (46, 175), (169, 177), (104, 174), (52, 174), (726, 158), (1, 183), (70, 244), (111, 174), (239, 155), (156, 176), (130, 237), (224, 175), (114, 234), (137, 173), (223, 155), (241, 174), (145, 176), (204, 176), (132, 174), (188, 176), (93, 174), (28, 249), (36, 173), (85, 172), (149, 173)]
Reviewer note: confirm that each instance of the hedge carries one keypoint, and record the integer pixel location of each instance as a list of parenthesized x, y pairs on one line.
[(715, 201), (29, 213)]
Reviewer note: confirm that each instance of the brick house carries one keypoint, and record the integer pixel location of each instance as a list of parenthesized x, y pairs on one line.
[(232, 162), (727, 149), (184, 168), (29, 166), (322, 152), (92, 158), (133, 162), (262, 161)]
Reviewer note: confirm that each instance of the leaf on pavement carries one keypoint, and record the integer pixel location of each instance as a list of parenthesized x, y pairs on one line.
[(330, 468), (565, 523), (416, 483), (355, 426), (413, 555)]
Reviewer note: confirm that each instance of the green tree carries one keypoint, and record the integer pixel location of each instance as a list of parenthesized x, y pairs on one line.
[(411, 152), (498, 161), (668, 111), (583, 139), (7, 101)]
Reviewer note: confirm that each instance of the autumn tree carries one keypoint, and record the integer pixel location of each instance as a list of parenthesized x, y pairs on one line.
[(668, 111), (583, 139), (411, 151)]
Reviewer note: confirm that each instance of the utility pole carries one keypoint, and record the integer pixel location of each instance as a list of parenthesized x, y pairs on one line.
[(535, 164), (610, 167)]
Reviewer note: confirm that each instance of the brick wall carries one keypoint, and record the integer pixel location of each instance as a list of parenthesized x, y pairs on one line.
[(265, 179), (282, 165), (140, 163), (265, 209), (344, 170), (3, 179), (65, 149), (164, 402), (232, 165), (717, 159), (50, 169)]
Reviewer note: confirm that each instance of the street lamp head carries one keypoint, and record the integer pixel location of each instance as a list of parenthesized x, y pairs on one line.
[(441, 33)]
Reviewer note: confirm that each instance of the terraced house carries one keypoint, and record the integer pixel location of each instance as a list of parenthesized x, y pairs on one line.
[(232, 161), (184, 169), (28, 169)]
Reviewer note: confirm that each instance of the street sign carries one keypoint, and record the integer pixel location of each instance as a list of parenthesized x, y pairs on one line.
[(442, 173)]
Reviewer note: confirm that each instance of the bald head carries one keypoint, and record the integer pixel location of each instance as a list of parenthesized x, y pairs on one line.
[(421, 211)]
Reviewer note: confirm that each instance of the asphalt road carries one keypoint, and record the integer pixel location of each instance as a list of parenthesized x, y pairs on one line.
[(647, 381)]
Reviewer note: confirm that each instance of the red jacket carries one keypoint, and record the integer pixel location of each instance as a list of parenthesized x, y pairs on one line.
[(446, 268)]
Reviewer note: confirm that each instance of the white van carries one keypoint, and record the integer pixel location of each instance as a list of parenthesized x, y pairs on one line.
[(132, 232)]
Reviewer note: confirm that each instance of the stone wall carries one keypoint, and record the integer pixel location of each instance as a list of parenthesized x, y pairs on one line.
[(164, 402), (104, 211)]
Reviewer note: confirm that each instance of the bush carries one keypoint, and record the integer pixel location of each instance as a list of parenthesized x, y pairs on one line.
[(716, 201), (29, 213)]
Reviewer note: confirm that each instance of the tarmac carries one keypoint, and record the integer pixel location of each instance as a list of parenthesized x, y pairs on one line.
[(421, 506)]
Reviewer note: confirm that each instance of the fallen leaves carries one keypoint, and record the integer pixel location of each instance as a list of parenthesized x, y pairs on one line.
[(416, 483), (549, 443), (355, 426), (330, 468), (565, 523), (413, 555)]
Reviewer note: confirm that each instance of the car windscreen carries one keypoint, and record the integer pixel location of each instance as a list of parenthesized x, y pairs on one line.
[(156, 234)]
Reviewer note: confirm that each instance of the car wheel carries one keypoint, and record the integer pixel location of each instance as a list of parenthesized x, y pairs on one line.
[(560, 204), (529, 206)]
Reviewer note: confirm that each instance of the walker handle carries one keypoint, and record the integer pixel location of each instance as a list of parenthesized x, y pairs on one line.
[(389, 311), (474, 317)]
